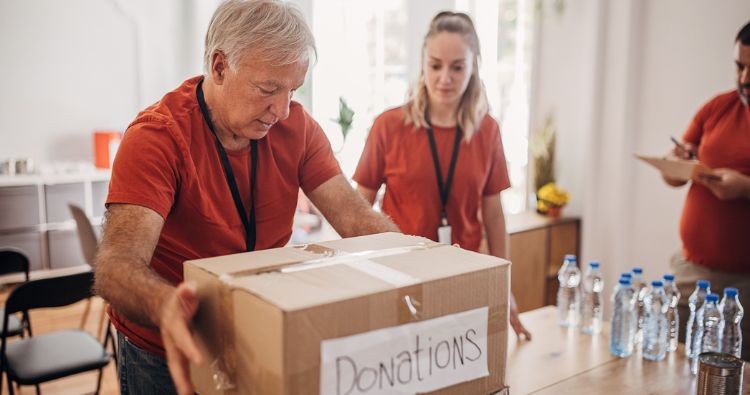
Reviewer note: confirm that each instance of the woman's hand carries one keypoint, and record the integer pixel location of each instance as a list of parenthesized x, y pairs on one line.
[(515, 321)]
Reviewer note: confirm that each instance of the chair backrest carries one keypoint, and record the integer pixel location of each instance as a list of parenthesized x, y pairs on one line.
[(86, 234), (50, 292), (13, 261)]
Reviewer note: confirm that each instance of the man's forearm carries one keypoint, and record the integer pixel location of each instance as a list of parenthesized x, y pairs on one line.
[(131, 287), (123, 275), (365, 221), (347, 211)]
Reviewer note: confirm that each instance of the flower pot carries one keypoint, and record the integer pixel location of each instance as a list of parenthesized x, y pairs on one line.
[(554, 212)]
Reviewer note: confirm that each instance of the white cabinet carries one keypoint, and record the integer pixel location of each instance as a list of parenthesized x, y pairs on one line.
[(35, 218)]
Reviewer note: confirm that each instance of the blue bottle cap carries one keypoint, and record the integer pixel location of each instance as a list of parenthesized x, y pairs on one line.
[(628, 275), (657, 284), (594, 264), (703, 284), (570, 257), (712, 297), (624, 281), (637, 270), (731, 292), (669, 277)]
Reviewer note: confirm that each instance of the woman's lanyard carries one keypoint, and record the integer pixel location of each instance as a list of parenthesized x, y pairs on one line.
[(444, 188), (247, 223)]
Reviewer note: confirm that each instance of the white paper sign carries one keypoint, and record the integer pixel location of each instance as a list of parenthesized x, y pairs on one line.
[(407, 359)]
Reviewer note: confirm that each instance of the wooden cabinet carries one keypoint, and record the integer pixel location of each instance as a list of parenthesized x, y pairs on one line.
[(537, 247)]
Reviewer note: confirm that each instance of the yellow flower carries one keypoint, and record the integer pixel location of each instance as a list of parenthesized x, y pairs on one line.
[(549, 196)]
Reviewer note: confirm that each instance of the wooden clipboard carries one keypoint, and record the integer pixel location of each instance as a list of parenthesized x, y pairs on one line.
[(679, 169)]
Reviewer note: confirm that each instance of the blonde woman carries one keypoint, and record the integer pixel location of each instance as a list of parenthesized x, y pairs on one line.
[(440, 155)]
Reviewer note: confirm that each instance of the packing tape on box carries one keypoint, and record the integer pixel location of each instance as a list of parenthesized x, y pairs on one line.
[(351, 258), (223, 367)]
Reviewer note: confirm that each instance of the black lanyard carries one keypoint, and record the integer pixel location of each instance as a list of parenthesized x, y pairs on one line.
[(444, 188), (247, 223)]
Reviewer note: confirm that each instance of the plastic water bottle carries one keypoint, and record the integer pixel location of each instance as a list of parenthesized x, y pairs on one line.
[(655, 324), (640, 287), (673, 315), (568, 296), (710, 331), (591, 307), (702, 288), (623, 320), (732, 311)]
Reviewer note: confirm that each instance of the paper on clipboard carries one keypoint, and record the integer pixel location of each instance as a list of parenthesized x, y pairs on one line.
[(678, 169)]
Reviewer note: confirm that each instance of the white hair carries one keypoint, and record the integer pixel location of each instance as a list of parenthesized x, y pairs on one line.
[(274, 30)]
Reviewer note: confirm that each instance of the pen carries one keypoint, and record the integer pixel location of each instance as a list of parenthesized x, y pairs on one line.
[(691, 154)]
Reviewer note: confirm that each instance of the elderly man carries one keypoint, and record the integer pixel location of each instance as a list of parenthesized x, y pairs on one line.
[(716, 214), (213, 168)]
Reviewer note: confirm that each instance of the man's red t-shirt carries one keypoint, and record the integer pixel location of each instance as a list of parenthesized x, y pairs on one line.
[(169, 163), (715, 232), (399, 155)]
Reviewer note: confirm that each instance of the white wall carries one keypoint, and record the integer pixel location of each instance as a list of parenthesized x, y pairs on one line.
[(621, 76), (70, 67)]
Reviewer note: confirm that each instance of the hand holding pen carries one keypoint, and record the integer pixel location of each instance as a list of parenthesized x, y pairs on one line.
[(683, 150)]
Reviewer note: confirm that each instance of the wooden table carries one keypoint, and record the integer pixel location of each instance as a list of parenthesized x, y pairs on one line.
[(566, 361)]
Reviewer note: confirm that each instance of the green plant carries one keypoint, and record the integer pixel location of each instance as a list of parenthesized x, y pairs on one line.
[(346, 116), (542, 147), (558, 5)]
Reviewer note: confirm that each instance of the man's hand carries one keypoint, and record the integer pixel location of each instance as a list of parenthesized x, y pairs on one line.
[(726, 184), (125, 279), (176, 334), (686, 151)]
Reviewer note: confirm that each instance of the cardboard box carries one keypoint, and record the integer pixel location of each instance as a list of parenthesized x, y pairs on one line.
[(385, 313)]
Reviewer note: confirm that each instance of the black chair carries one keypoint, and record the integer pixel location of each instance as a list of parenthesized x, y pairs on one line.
[(38, 359), (14, 261)]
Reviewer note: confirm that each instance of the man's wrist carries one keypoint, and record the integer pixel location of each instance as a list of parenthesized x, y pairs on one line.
[(156, 308)]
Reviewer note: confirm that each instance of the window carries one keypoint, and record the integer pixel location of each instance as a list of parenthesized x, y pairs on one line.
[(369, 55), (362, 59)]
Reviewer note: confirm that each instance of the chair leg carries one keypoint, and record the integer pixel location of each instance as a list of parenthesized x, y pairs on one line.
[(98, 381), (102, 317), (114, 355), (38, 391), (10, 386), (109, 338), (85, 313)]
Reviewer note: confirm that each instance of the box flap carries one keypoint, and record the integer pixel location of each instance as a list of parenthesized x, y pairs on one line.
[(351, 276), (358, 277)]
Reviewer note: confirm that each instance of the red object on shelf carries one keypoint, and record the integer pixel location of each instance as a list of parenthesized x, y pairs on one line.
[(105, 148)]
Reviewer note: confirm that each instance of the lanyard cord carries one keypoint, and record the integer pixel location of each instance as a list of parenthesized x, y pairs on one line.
[(444, 188), (247, 223)]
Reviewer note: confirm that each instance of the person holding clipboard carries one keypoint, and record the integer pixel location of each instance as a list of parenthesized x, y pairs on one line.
[(440, 155), (716, 214)]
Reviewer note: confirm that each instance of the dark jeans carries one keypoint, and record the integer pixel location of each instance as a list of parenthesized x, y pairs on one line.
[(142, 372)]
